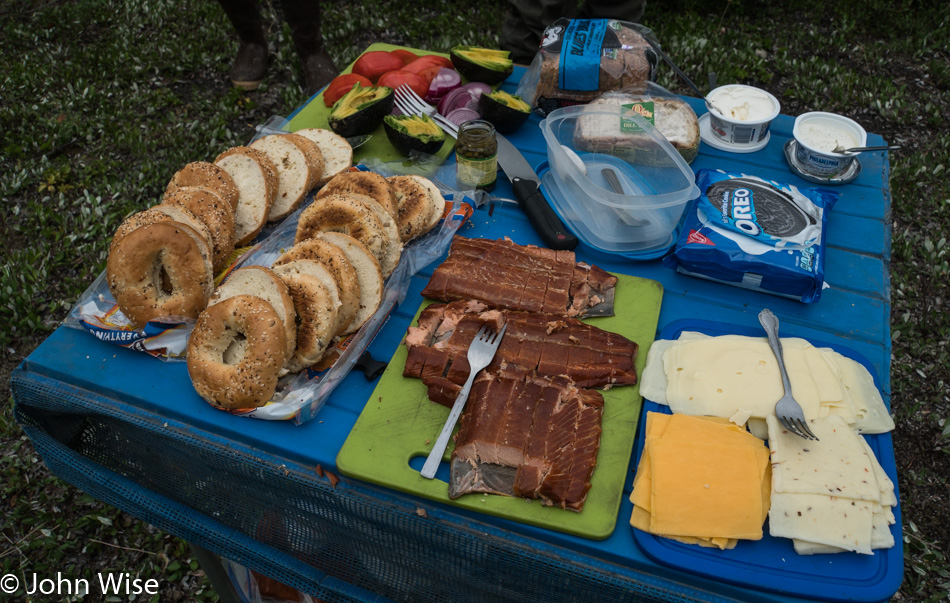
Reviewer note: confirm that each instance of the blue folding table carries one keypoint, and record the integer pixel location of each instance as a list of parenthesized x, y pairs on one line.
[(130, 430)]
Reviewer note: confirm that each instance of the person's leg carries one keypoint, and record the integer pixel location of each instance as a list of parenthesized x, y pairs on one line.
[(303, 17), (251, 62), (622, 10), (525, 23)]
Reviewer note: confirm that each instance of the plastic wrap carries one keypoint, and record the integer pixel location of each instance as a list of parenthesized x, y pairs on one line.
[(580, 59), (668, 113)]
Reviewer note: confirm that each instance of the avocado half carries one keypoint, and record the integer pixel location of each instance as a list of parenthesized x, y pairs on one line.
[(507, 112), (361, 110), (414, 133), (482, 64)]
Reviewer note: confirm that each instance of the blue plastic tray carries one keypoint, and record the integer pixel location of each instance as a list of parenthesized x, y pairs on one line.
[(771, 563)]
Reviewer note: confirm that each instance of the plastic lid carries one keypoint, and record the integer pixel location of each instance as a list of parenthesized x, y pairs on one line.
[(630, 187)]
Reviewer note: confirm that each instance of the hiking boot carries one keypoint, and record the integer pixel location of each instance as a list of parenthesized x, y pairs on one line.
[(318, 70), (249, 67)]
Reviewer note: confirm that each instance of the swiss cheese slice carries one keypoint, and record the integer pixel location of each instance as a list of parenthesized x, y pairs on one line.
[(718, 376)]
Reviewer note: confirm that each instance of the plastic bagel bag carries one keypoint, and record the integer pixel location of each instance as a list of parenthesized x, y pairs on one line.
[(299, 396)]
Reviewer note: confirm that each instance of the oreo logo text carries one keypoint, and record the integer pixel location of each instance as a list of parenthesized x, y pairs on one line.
[(743, 212)]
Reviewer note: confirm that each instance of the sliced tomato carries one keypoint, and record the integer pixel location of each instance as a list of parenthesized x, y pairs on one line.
[(405, 56), (342, 84), (375, 63), (394, 79), (428, 59)]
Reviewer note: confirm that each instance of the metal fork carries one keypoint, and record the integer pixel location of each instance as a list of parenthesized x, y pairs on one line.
[(788, 411), (411, 104), (480, 353)]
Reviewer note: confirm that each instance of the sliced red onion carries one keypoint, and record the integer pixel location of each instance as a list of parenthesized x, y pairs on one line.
[(463, 97), (445, 81), (461, 115)]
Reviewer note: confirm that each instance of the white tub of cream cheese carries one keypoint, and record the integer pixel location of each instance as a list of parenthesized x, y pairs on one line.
[(741, 115), (817, 134)]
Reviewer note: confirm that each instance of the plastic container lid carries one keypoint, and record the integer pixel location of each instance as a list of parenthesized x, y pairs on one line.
[(630, 186)]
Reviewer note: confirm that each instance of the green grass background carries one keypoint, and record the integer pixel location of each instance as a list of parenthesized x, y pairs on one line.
[(101, 102)]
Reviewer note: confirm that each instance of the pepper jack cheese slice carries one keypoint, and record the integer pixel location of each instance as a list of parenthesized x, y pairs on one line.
[(836, 465), (822, 519)]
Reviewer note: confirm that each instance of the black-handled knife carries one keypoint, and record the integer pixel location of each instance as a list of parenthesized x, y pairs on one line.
[(524, 182)]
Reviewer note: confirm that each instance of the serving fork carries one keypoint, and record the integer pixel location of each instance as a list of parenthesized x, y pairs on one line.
[(787, 410), (480, 354), (411, 103)]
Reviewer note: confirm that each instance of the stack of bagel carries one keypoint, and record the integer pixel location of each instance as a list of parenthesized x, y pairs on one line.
[(162, 261), (262, 322)]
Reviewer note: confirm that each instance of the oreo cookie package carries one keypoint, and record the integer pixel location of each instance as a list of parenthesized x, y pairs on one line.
[(756, 234)]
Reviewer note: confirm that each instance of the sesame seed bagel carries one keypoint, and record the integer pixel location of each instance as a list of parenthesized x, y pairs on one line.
[(415, 207), (340, 213), (187, 217), (160, 270), (337, 152), (235, 353), (317, 313), (436, 200), (262, 282), (368, 273), (295, 175), (213, 213), (392, 245), (202, 174), (335, 261), (255, 177), (370, 184)]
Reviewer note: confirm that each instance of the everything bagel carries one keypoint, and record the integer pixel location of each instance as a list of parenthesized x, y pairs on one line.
[(236, 351), (159, 270)]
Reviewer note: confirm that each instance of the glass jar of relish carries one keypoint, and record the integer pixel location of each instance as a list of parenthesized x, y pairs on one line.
[(476, 154)]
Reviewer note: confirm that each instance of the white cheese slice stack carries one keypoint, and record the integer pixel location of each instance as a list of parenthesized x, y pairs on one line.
[(830, 495), (733, 375)]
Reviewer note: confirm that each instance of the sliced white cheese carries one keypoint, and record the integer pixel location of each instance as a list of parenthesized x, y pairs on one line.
[(871, 414), (718, 376), (653, 379), (821, 519), (836, 465)]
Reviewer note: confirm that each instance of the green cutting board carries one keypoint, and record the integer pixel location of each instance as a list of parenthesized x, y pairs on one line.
[(315, 113), (399, 423)]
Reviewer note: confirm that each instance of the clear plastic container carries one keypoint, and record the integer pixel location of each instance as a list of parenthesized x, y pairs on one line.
[(618, 193)]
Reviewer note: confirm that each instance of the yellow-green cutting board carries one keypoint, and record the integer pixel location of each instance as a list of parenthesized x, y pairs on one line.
[(315, 113), (399, 423)]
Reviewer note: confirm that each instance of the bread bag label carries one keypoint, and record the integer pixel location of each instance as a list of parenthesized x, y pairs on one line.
[(581, 50), (644, 109)]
